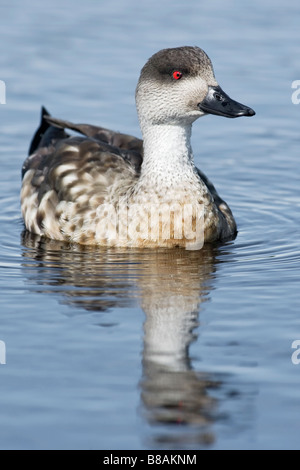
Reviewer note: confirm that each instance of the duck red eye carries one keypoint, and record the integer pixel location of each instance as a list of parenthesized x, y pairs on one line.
[(177, 75)]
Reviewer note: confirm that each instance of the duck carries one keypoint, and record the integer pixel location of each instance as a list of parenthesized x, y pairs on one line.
[(102, 187)]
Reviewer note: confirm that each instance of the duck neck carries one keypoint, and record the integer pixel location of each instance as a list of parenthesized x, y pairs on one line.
[(168, 157)]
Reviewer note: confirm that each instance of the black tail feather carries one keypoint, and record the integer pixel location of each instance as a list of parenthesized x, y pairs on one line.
[(46, 134), (40, 131)]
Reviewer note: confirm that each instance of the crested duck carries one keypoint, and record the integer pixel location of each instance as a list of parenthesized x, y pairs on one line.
[(107, 188)]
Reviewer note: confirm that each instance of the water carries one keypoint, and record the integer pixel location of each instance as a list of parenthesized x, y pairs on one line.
[(131, 349)]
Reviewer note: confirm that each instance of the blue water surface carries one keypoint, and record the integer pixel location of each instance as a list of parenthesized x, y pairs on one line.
[(156, 349)]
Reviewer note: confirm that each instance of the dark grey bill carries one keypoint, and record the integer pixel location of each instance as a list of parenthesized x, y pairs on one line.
[(218, 102)]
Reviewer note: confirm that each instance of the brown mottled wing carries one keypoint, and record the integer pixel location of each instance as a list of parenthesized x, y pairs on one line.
[(69, 177), (131, 147)]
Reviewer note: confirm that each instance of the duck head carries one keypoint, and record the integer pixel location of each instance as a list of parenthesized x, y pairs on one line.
[(178, 85)]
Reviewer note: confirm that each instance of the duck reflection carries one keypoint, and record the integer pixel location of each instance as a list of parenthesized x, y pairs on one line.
[(171, 285), (172, 392)]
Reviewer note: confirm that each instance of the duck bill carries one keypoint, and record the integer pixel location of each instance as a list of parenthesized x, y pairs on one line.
[(219, 103)]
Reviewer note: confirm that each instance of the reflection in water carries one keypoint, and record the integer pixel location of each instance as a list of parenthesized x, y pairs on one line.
[(85, 278), (172, 392), (171, 285)]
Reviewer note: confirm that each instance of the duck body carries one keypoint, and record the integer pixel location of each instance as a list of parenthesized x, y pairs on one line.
[(112, 189)]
